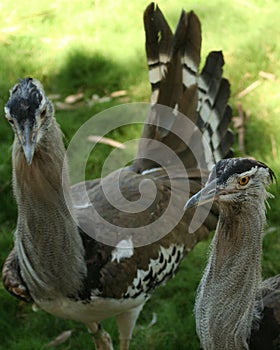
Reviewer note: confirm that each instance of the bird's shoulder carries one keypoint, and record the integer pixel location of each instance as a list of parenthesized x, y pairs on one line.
[(127, 267), (124, 198)]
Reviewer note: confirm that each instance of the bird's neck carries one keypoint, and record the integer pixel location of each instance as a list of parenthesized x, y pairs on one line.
[(230, 284), (48, 244)]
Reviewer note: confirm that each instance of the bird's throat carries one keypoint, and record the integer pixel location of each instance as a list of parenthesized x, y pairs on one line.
[(48, 245), (230, 284)]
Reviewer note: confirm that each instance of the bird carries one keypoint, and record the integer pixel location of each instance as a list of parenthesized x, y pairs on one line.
[(73, 274), (234, 308)]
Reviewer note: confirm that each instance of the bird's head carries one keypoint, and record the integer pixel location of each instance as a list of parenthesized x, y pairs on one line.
[(29, 112), (234, 180)]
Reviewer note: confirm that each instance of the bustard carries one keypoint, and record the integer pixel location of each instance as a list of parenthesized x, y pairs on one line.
[(231, 297), (66, 272)]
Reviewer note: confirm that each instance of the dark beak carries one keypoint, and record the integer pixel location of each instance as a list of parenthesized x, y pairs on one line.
[(28, 142), (208, 194)]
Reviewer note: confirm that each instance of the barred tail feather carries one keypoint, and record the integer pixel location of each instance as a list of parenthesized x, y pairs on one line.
[(187, 40), (159, 40), (214, 113), (203, 99)]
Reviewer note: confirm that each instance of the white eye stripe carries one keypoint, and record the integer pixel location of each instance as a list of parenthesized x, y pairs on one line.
[(7, 112), (10, 119)]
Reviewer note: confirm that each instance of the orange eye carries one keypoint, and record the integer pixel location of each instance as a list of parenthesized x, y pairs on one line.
[(243, 180)]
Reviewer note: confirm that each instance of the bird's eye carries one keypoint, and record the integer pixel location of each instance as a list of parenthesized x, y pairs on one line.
[(11, 121), (243, 180), (43, 113)]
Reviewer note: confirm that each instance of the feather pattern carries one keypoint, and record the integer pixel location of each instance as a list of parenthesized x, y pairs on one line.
[(230, 296), (107, 286)]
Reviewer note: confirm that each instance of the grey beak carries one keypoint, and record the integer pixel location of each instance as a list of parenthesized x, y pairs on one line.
[(206, 195), (28, 144)]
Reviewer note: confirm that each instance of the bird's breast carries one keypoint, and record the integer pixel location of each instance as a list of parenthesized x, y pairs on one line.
[(93, 310)]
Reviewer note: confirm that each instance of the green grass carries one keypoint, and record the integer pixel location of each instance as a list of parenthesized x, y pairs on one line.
[(97, 47)]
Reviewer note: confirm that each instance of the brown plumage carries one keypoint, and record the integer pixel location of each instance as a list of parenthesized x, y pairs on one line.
[(74, 275)]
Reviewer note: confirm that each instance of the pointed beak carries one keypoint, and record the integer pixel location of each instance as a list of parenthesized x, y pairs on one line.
[(208, 194), (28, 142)]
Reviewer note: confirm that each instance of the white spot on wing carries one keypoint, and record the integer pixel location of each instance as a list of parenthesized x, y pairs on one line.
[(123, 250)]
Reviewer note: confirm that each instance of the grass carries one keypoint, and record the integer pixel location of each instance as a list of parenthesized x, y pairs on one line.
[(97, 47)]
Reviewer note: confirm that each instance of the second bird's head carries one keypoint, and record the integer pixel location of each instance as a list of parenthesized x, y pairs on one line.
[(30, 113), (234, 181)]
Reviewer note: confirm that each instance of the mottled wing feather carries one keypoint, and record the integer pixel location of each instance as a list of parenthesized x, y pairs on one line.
[(266, 333), (12, 280), (173, 64), (173, 72)]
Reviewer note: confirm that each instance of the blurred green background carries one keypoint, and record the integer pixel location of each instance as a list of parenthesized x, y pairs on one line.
[(95, 48)]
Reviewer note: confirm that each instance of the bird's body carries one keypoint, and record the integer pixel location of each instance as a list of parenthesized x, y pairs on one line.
[(74, 275), (61, 277), (230, 293)]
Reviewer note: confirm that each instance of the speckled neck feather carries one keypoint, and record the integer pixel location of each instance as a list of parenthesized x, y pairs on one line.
[(48, 245), (230, 285)]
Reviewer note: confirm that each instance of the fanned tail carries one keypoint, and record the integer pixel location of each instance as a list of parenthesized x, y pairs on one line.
[(202, 137), (195, 126)]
